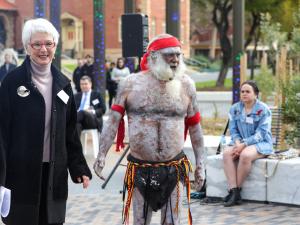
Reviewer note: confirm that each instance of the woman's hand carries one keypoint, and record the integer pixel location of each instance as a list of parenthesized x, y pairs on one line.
[(237, 149), (84, 180)]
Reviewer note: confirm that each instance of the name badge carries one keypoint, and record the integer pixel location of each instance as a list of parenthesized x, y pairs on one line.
[(63, 96), (249, 120), (95, 102)]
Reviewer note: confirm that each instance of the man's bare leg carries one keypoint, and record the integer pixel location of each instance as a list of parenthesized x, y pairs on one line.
[(138, 209), (169, 216)]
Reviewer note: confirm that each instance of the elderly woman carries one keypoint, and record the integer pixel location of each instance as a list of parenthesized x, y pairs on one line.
[(250, 130), (38, 126)]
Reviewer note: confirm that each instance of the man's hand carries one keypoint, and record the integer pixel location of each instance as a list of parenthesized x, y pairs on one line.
[(98, 167), (84, 180), (199, 180)]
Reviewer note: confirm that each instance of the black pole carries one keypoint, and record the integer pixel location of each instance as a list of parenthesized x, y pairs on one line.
[(238, 46), (173, 17), (99, 47), (129, 6), (115, 167), (55, 11), (39, 8)]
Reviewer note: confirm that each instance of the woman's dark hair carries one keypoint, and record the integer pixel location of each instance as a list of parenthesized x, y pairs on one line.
[(117, 64), (253, 84)]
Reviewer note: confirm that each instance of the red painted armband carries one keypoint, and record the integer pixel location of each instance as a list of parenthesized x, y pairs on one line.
[(121, 130), (190, 121)]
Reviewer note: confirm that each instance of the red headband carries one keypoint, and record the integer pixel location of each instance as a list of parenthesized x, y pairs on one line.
[(157, 45)]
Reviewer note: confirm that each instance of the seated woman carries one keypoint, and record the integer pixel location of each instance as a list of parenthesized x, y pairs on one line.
[(251, 139)]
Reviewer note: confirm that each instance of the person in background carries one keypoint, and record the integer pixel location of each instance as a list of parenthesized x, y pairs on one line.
[(88, 69), (111, 85), (161, 106), (120, 71), (251, 139), (78, 73), (8, 65), (90, 107), (39, 136)]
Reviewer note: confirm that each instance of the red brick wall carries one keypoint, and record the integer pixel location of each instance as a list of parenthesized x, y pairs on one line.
[(84, 10), (25, 11)]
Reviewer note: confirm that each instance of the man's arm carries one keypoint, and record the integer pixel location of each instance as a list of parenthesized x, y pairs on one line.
[(110, 128), (100, 107), (196, 136)]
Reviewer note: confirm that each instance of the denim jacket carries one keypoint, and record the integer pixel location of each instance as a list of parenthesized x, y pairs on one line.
[(253, 128)]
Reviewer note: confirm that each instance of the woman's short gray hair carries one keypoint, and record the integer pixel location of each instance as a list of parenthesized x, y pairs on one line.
[(39, 25)]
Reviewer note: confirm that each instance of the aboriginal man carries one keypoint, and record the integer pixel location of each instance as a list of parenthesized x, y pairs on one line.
[(161, 106)]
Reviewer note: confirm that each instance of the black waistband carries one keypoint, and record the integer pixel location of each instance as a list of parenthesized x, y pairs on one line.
[(130, 158)]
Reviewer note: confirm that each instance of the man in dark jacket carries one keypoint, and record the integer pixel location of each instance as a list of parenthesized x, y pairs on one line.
[(88, 69), (7, 66), (90, 107), (78, 73)]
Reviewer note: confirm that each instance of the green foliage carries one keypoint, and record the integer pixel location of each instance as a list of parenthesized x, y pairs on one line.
[(266, 83), (215, 65), (271, 33), (69, 67), (291, 108), (212, 84), (259, 6), (295, 39), (283, 14), (207, 64), (201, 58)]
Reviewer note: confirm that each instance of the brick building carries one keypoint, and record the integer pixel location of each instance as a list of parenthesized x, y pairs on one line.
[(77, 23)]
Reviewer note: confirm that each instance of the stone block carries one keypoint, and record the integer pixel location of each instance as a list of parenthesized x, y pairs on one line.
[(283, 184), (254, 187)]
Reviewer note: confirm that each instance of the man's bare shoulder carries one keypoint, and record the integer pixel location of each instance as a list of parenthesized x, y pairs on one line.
[(188, 84)]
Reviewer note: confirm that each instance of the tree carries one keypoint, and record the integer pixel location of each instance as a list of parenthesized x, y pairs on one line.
[(221, 10), (256, 8)]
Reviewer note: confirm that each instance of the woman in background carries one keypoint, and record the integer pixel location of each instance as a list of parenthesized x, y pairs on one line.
[(251, 139), (120, 71)]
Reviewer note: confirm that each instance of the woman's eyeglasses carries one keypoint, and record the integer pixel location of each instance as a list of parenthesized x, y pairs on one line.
[(245, 92), (39, 45)]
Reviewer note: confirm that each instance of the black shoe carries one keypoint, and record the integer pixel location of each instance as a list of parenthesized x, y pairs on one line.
[(234, 198), (227, 197)]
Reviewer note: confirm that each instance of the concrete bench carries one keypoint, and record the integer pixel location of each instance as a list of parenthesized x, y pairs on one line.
[(269, 180)]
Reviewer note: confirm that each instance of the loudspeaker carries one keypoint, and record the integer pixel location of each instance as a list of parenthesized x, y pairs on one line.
[(135, 35)]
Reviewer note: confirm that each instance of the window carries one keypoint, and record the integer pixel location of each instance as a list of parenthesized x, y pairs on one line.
[(70, 35)]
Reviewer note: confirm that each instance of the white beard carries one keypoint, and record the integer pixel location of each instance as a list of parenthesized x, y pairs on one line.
[(173, 89), (162, 71)]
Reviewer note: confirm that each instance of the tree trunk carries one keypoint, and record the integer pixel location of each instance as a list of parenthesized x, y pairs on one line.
[(254, 54), (226, 59), (222, 75), (220, 18)]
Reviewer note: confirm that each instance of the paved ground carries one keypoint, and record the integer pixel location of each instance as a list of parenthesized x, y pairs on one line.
[(103, 207)]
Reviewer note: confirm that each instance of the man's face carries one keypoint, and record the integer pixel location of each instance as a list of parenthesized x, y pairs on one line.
[(172, 59), (85, 85), (80, 62), (89, 60), (8, 58)]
